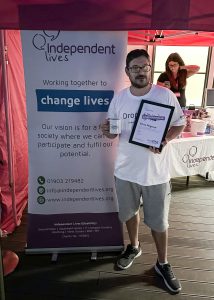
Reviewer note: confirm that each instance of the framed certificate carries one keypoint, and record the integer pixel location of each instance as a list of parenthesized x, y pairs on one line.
[(151, 124)]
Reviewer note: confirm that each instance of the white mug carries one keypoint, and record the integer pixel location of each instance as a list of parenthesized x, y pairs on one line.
[(115, 126)]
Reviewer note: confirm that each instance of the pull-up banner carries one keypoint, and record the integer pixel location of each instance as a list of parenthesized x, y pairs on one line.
[(71, 78)]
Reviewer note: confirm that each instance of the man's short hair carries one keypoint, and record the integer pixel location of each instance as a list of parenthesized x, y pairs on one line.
[(134, 54)]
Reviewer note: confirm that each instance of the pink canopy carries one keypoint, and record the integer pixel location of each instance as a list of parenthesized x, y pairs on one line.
[(161, 22), (157, 22), (196, 15)]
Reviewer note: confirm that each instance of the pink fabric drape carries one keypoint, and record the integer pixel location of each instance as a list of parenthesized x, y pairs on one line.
[(18, 125)]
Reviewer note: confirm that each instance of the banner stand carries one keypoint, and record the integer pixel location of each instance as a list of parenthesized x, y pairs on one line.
[(93, 250), (68, 206)]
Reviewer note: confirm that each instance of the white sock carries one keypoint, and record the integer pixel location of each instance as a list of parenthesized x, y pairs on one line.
[(161, 264), (136, 247)]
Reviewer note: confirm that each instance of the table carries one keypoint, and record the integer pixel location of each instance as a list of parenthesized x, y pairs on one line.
[(191, 156)]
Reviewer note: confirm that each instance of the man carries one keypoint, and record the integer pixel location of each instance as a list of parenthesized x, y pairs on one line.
[(143, 172)]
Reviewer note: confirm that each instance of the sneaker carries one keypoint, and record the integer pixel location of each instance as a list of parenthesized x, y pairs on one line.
[(126, 259), (169, 278)]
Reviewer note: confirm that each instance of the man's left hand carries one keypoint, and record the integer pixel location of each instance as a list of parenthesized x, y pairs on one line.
[(157, 151)]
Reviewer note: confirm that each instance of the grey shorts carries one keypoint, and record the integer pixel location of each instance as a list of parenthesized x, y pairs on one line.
[(156, 201)]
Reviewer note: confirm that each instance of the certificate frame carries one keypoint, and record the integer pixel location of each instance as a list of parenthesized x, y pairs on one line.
[(151, 124)]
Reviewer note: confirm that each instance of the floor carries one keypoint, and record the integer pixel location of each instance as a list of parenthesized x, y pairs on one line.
[(75, 276)]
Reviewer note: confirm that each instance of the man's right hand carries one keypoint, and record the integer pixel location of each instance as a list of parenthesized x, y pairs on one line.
[(105, 130)]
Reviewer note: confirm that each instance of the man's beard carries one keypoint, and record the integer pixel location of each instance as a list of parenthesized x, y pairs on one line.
[(142, 84)]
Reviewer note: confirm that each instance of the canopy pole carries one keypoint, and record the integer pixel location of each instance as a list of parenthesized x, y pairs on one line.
[(8, 126), (2, 292)]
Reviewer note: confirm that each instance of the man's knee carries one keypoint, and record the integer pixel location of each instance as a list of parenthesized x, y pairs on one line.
[(161, 226)]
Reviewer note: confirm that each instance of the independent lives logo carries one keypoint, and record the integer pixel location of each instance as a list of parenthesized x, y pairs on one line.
[(193, 158)]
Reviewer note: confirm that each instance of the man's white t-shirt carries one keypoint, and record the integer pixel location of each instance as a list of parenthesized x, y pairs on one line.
[(136, 163)]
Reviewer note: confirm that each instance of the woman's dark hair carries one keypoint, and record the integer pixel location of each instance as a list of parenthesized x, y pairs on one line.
[(134, 54), (182, 74)]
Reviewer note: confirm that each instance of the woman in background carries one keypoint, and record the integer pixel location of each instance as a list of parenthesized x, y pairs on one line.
[(175, 76)]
